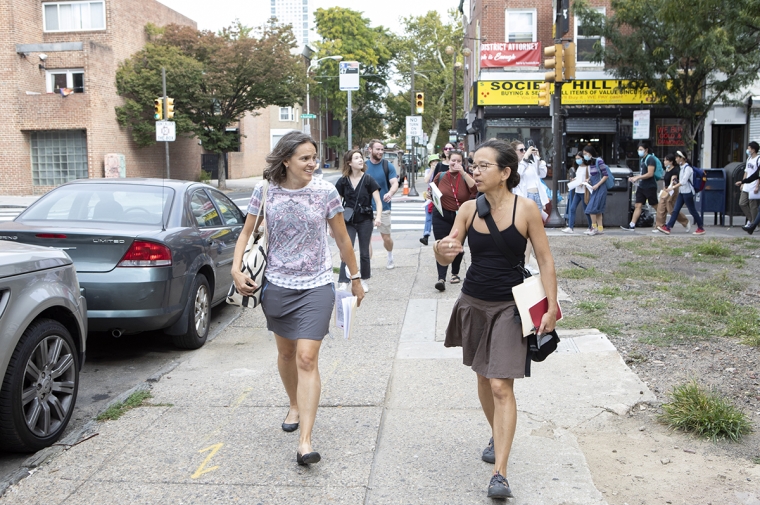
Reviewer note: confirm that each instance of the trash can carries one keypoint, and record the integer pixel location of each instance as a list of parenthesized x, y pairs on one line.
[(617, 212), (713, 197), (734, 174)]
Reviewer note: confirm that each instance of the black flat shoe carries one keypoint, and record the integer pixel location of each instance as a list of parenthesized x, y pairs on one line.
[(440, 285), (308, 458), (289, 427)]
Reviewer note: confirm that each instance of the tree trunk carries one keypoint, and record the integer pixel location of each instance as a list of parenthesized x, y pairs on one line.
[(437, 122), (221, 167)]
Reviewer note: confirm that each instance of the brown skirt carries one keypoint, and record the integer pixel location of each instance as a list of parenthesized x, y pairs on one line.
[(490, 336)]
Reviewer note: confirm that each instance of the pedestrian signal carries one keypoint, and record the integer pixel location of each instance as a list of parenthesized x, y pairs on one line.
[(158, 109), (169, 108), (555, 55), (419, 102), (544, 94)]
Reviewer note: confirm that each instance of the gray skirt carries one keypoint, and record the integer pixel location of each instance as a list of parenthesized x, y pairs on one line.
[(490, 335), (298, 313)]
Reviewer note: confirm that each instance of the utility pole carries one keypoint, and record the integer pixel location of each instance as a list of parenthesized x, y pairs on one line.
[(413, 158), (166, 108)]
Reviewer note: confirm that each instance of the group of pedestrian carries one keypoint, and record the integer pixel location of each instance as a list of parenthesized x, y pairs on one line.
[(591, 173)]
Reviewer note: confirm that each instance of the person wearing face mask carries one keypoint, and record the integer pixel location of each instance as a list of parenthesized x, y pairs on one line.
[(647, 188), (575, 195), (685, 196), (749, 206), (668, 196), (597, 202)]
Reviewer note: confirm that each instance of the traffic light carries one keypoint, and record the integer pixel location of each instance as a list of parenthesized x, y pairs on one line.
[(555, 58), (569, 60), (169, 108), (419, 102), (158, 109), (544, 94)]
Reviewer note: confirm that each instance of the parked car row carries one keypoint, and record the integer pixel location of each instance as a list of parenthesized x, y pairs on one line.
[(121, 256)]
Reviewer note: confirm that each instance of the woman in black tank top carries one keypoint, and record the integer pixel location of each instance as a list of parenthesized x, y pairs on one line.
[(484, 319)]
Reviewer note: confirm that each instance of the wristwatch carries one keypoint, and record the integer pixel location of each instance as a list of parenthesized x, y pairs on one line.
[(356, 276)]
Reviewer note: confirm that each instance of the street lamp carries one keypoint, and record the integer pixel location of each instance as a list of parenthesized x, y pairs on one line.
[(314, 63), (457, 65)]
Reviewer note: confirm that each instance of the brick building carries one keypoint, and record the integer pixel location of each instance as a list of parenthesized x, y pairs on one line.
[(74, 46), (503, 73)]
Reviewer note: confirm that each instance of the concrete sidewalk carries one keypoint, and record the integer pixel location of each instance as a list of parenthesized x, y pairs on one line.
[(399, 419)]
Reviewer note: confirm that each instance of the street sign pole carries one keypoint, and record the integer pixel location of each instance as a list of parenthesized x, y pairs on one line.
[(349, 81), (166, 108), (348, 134)]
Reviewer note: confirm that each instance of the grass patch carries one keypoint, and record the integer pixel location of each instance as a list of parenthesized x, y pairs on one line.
[(136, 399), (592, 307), (607, 327), (612, 291), (573, 322), (744, 323), (704, 413), (578, 322), (336, 270), (641, 270), (577, 273), (713, 248), (676, 329)]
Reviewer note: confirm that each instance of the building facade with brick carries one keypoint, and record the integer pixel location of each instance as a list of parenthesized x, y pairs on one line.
[(506, 66), (58, 62)]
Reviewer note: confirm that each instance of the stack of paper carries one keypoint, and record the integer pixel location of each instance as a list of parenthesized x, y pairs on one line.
[(345, 307), (435, 195)]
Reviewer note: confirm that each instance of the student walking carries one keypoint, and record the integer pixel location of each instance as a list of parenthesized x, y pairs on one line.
[(753, 183), (576, 196), (685, 196), (749, 206), (597, 200), (668, 196), (297, 294), (358, 191), (646, 190), (483, 321)]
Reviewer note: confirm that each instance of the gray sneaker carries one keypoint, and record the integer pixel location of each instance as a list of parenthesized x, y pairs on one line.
[(499, 487), (488, 453)]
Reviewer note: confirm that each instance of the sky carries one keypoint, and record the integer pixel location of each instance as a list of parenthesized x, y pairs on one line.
[(220, 13)]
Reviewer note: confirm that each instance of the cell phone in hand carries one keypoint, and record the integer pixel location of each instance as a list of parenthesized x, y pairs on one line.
[(528, 146)]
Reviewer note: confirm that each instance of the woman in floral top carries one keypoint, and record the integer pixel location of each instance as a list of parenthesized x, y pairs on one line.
[(298, 292)]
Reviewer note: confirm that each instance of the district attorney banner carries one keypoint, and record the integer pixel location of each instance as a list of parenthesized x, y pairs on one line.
[(510, 54)]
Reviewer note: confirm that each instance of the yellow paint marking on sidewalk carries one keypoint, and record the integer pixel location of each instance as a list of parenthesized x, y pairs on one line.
[(202, 469), (238, 401)]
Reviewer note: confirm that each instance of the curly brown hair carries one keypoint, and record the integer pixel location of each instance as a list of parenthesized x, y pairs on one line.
[(275, 170)]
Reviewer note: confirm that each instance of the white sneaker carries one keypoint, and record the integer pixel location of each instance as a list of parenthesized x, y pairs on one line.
[(589, 232), (593, 232), (365, 287), (343, 286), (688, 225), (390, 265), (655, 231), (567, 230)]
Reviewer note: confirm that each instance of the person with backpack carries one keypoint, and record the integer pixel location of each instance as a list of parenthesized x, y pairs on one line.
[(650, 171), (597, 201), (575, 196), (686, 188), (668, 196), (748, 205), (358, 191), (384, 174)]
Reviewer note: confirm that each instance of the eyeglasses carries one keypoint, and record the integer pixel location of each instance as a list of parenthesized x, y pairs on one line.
[(482, 166), (447, 148), (522, 149)]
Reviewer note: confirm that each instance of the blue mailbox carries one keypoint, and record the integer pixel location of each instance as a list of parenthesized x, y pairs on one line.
[(713, 197)]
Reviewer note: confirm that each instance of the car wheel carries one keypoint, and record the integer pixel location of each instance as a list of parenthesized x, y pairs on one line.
[(40, 388), (199, 316)]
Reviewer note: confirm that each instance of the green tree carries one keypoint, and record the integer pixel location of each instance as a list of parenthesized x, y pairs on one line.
[(425, 41), (346, 33), (690, 53), (214, 80)]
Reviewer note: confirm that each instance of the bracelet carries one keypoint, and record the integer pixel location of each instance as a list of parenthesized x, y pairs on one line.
[(435, 246), (356, 276)]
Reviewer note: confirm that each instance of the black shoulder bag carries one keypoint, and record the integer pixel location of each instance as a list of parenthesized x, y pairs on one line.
[(539, 347), (348, 213)]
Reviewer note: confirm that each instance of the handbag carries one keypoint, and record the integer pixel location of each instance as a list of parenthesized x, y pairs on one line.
[(254, 260), (529, 296), (348, 213)]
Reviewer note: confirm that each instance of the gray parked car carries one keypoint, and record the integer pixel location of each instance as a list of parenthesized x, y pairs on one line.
[(150, 254), (43, 331)]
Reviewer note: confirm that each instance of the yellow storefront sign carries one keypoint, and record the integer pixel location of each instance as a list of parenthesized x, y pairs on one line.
[(580, 92)]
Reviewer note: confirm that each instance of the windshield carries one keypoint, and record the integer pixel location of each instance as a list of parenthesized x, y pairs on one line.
[(105, 203)]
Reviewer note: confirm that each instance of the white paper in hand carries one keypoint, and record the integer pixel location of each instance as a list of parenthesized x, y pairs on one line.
[(345, 306)]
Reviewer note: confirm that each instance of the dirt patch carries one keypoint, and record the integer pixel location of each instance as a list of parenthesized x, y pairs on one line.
[(677, 309)]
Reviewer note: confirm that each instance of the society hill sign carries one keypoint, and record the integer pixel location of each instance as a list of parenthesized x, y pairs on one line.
[(579, 92)]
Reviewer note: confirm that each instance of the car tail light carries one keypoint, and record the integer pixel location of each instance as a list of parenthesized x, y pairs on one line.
[(146, 254), (51, 235)]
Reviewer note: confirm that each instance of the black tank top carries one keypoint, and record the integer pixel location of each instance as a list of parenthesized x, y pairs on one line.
[(490, 276)]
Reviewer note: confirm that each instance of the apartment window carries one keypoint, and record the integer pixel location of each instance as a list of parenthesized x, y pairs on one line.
[(73, 16), (65, 78), (521, 25), (58, 156), (585, 40), (286, 114)]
